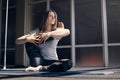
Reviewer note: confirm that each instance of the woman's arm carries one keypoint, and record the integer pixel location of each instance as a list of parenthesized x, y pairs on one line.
[(22, 39), (59, 32), (32, 38)]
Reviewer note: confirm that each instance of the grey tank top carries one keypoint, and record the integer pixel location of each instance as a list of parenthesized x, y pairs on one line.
[(48, 49)]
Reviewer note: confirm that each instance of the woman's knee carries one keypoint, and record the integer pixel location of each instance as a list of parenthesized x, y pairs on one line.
[(67, 64)]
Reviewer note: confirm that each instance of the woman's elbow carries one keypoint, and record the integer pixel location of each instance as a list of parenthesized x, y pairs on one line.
[(68, 31), (17, 41)]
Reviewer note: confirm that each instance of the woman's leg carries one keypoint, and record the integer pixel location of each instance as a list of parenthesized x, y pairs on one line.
[(34, 54), (57, 66), (43, 67)]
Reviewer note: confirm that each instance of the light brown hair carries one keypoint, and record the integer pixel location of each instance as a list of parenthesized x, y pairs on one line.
[(45, 16)]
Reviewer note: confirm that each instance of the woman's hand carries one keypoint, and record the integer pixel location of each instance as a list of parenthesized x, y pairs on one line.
[(33, 38), (44, 36), (60, 25), (37, 39)]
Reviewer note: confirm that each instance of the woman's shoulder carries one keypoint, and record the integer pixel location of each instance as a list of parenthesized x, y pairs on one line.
[(34, 31)]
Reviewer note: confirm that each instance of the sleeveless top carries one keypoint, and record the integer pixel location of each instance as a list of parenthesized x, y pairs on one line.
[(48, 49)]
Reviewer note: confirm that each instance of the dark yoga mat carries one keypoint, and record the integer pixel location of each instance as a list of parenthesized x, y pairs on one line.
[(60, 73)]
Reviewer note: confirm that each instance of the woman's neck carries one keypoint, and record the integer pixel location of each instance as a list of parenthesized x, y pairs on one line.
[(48, 28)]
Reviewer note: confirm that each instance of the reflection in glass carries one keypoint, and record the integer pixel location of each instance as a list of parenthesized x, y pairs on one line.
[(89, 56)]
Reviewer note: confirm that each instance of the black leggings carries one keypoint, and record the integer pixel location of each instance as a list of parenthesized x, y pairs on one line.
[(48, 65), (57, 65)]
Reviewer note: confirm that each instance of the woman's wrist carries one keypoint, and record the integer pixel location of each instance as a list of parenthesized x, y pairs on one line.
[(26, 38), (48, 34)]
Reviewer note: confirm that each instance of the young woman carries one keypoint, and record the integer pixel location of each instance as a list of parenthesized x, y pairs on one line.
[(41, 45)]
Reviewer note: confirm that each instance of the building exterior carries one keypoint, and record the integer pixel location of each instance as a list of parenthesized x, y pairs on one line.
[(94, 26)]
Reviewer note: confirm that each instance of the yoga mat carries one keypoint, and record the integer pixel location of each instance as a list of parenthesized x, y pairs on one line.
[(59, 73)]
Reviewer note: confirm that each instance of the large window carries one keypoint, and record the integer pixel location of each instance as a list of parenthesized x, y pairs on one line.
[(89, 47)]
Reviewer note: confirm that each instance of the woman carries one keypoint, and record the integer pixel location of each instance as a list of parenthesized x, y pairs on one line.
[(44, 40)]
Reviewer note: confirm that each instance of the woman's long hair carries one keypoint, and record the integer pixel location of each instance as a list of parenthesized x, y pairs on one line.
[(43, 28)]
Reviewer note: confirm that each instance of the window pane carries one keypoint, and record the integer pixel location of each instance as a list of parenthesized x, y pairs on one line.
[(89, 57), (12, 3), (3, 29), (11, 28), (88, 21), (37, 0), (62, 7), (10, 58), (37, 13), (114, 56), (113, 16)]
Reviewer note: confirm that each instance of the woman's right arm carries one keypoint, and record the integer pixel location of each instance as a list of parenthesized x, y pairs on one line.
[(22, 39), (32, 38)]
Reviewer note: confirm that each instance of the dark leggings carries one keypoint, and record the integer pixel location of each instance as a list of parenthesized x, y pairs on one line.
[(48, 65), (57, 65)]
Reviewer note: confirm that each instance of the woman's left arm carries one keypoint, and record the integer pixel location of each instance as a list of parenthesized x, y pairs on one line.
[(59, 32)]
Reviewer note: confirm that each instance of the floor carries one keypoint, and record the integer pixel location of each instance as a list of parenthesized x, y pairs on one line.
[(36, 76)]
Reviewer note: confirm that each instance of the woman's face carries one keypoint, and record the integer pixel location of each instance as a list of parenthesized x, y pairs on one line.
[(51, 18)]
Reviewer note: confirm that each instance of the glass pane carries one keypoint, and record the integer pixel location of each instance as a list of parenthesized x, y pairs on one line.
[(37, 0), (37, 13), (89, 56), (11, 28), (12, 3), (113, 16), (3, 29), (10, 58), (63, 15), (88, 21), (64, 53), (114, 56)]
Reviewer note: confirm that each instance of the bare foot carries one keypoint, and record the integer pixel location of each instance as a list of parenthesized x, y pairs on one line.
[(39, 67), (34, 68), (30, 69)]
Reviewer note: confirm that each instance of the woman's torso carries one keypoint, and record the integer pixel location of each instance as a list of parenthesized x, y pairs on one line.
[(48, 49)]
